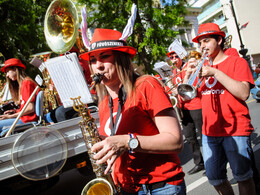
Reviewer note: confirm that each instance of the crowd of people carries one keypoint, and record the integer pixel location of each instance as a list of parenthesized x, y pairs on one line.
[(141, 132)]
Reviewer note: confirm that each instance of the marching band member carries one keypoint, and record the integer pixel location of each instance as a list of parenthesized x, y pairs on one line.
[(226, 120), (141, 133), (178, 63), (191, 112), (21, 87)]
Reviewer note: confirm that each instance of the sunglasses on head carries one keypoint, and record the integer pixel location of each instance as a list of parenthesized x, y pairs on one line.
[(171, 57)]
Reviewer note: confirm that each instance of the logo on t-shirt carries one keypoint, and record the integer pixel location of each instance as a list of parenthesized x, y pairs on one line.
[(178, 80), (210, 83), (108, 127)]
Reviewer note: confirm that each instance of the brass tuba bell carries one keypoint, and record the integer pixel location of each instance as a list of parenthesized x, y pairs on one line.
[(61, 25)]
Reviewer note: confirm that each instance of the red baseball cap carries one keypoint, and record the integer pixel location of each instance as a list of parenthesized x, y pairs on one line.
[(105, 40), (208, 29), (13, 62)]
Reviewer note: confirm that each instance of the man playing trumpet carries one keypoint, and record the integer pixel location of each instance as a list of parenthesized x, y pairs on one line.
[(191, 112), (226, 120)]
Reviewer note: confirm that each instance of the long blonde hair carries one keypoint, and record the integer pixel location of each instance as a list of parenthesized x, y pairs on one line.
[(15, 86)]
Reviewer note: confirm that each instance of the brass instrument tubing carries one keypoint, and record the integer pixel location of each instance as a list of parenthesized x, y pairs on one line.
[(175, 75), (174, 86)]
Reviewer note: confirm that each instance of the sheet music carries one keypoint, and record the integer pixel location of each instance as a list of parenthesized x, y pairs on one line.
[(68, 78), (163, 69), (7, 94), (178, 49)]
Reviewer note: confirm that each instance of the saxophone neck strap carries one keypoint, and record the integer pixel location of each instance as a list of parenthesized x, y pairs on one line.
[(122, 95)]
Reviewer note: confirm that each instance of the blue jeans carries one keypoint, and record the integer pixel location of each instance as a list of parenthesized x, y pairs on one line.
[(166, 190), (6, 124), (218, 151)]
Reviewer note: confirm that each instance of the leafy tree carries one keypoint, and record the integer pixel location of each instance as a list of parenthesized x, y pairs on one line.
[(21, 30), (154, 25)]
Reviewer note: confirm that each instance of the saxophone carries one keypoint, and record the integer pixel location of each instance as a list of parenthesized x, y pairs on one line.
[(102, 184)]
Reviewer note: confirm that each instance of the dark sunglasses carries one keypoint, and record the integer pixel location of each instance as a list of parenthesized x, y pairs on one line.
[(174, 57)]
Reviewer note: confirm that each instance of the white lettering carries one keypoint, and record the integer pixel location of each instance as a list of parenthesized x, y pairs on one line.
[(106, 44), (212, 91)]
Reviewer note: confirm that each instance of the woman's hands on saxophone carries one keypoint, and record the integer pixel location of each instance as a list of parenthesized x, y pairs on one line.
[(109, 149)]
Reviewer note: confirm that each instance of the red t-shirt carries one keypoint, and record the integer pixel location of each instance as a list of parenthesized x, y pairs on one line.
[(232, 52), (27, 88), (137, 115), (193, 104), (224, 114)]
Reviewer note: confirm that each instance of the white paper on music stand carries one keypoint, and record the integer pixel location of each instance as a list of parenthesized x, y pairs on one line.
[(68, 78), (178, 49), (163, 69)]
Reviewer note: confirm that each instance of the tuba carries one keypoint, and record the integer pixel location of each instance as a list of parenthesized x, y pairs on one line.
[(61, 25), (61, 30), (227, 43)]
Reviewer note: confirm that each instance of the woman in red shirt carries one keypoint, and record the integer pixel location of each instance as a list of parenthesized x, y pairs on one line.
[(142, 134), (21, 87)]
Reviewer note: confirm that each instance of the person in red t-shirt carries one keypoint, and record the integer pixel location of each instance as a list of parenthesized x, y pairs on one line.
[(191, 112), (177, 67), (21, 87), (226, 120), (141, 132)]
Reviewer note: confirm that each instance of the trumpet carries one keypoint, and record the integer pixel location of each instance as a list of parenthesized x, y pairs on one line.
[(187, 90)]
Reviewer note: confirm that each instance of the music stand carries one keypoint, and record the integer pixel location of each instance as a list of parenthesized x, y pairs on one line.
[(68, 78)]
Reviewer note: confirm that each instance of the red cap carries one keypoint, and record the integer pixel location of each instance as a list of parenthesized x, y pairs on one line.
[(12, 62), (169, 53), (208, 29), (107, 39)]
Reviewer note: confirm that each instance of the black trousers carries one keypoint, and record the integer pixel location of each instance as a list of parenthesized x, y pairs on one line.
[(192, 120)]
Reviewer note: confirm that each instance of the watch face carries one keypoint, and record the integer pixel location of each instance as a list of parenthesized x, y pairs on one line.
[(133, 143)]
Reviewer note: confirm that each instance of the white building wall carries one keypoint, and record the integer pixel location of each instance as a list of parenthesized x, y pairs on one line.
[(246, 11)]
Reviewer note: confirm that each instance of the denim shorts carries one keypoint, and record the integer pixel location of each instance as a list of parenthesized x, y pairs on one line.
[(165, 190), (218, 151)]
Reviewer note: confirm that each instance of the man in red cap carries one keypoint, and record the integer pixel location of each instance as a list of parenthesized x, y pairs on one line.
[(226, 120), (191, 114)]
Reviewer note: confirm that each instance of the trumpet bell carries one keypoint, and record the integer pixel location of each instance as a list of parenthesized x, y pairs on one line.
[(98, 186), (186, 91), (61, 25)]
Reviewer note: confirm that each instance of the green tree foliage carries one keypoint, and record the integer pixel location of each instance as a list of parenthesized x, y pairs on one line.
[(21, 31), (154, 25)]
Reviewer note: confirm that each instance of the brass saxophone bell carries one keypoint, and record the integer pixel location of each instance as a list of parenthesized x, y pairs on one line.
[(61, 25), (98, 186)]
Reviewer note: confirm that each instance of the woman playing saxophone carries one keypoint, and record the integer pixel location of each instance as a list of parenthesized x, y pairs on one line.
[(141, 134)]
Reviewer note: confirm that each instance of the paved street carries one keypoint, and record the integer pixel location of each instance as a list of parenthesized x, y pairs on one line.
[(197, 184)]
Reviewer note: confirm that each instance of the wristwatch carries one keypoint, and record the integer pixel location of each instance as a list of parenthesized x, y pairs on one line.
[(133, 142)]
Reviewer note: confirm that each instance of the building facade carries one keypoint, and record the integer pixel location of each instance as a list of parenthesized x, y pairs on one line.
[(245, 12)]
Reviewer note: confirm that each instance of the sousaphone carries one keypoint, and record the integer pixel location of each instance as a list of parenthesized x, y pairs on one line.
[(61, 25)]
